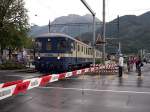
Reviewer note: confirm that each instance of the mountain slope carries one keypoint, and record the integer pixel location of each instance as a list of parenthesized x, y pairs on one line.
[(72, 25), (134, 33)]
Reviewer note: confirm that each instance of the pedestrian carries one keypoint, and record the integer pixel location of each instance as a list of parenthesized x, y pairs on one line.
[(136, 64), (131, 63), (139, 64), (145, 60), (120, 65), (128, 64)]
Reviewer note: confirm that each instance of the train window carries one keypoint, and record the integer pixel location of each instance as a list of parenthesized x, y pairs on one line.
[(73, 46), (82, 48), (49, 45), (78, 47), (38, 45), (88, 51)]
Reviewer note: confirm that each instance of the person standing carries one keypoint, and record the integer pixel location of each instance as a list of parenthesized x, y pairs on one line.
[(128, 64), (139, 64), (120, 65)]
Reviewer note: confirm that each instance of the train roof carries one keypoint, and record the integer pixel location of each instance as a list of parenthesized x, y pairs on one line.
[(46, 35)]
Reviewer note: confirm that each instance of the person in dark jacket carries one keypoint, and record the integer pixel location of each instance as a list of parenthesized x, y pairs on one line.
[(139, 64), (128, 64)]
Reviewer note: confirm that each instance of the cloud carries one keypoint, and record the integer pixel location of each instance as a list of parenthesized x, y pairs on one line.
[(51, 9)]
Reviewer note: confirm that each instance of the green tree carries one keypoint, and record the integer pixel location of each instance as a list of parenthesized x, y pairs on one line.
[(13, 24)]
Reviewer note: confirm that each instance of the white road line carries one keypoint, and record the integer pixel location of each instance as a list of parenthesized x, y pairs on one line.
[(15, 76), (96, 90)]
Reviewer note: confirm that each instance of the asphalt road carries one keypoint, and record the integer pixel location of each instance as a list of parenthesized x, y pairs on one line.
[(12, 75), (86, 94)]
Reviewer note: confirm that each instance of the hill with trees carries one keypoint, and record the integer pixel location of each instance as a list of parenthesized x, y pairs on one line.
[(134, 33)]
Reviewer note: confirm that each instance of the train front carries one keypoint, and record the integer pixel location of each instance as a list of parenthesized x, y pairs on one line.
[(51, 50)]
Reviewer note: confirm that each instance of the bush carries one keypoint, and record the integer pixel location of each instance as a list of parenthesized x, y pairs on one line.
[(10, 65)]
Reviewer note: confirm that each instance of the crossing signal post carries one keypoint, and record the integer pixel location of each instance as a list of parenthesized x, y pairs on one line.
[(93, 14)]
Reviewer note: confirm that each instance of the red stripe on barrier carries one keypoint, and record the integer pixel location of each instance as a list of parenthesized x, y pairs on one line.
[(82, 71), (45, 80), (12, 83), (62, 75), (21, 87), (74, 73)]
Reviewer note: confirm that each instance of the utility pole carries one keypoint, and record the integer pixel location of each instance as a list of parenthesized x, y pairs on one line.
[(104, 31), (93, 14), (49, 26), (94, 39), (118, 27)]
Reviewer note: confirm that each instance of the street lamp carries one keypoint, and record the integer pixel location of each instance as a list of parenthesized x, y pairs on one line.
[(93, 14)]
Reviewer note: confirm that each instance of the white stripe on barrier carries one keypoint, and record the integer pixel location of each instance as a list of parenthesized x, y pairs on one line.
[(87, 70), (79, 72), (68, 74), (92, 69), (54, 77), (7, 92), (34, 82)]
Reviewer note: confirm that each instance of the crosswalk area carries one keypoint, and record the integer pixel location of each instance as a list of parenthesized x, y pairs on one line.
[(126, 79), (108, 77)]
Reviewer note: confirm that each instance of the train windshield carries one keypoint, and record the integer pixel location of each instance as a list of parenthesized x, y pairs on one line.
[(49, 45), (53, 44), (62, 44), (38, 45)]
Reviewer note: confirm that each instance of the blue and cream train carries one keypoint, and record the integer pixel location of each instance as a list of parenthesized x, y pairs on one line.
[(59, 52)]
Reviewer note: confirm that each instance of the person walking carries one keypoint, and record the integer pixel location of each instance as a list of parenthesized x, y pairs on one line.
[(128, 64), (139, 64), (120, 65)]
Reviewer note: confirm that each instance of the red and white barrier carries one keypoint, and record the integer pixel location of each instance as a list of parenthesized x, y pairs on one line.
[(21, 86), (112, 68)]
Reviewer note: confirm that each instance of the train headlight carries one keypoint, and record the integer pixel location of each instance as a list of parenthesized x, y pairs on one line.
[(58, 57), (39, 57)]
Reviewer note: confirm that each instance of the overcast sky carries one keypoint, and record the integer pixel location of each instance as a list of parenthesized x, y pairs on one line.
[(40, 11)]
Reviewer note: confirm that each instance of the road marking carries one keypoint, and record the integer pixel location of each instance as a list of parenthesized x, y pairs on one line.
[(125, 76), (140, 77), (97, 90), (111, 77), (15, 76)]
